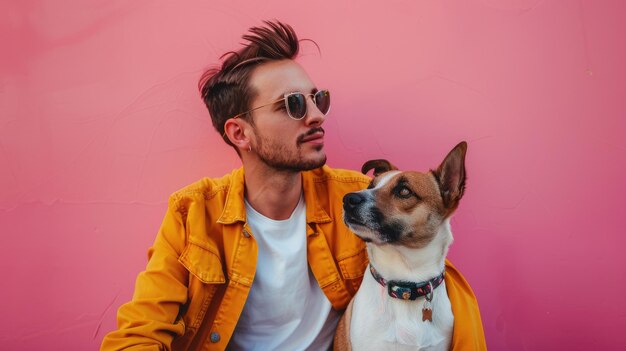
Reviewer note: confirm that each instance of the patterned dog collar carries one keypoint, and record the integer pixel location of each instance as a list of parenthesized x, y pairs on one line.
[(408, 290)]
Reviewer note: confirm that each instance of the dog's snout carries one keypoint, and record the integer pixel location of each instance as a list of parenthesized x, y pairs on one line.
[(352, 200)]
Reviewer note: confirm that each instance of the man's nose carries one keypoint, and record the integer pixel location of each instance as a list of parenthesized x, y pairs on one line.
[(313, 115)]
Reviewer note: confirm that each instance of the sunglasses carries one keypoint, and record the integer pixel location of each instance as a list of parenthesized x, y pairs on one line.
[(296, 105)]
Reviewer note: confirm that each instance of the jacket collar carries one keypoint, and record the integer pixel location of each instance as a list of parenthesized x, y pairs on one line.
[(234, 208)]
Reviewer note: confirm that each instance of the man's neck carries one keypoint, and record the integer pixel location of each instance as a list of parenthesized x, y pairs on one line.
[(274, 194)]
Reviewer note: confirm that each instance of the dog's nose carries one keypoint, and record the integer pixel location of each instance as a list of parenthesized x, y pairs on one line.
[(352, 200)]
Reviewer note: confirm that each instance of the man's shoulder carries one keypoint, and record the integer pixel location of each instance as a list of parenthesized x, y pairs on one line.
[(205, 188)]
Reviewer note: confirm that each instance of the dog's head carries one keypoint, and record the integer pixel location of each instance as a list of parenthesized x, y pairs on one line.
[(406, 208)]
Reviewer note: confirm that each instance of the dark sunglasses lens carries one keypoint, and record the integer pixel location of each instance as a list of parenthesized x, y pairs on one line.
[(322, 101), (296, 103)]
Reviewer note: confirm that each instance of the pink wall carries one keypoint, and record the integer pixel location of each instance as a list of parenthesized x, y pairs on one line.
[(100, 121)]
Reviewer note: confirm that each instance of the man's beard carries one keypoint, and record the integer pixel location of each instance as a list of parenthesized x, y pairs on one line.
[(280, 157)]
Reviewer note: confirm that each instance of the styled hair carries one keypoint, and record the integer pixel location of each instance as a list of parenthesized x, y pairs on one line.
[(225, 90)]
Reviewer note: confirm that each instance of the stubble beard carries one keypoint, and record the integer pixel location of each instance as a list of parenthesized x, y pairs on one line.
[(280, 157)]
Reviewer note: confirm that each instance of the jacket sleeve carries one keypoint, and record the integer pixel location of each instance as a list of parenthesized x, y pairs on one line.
[(151, 320), (468, 334)]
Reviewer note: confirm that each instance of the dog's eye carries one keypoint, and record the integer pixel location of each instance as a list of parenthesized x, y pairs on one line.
[(404, 192), (371, 185)]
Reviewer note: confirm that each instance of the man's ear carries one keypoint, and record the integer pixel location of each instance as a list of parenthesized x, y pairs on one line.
[(451, 176), (236, 131), (379, 166)]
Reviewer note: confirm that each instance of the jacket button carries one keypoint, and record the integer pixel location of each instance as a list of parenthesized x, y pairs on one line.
[(215, 337), (246, 234)]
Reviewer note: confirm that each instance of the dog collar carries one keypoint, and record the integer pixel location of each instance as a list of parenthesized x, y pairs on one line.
[(408, 290)]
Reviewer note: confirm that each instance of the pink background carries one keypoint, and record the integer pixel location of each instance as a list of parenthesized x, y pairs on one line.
[(100, 120)]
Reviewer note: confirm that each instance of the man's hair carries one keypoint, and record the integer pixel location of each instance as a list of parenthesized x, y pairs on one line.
[(225, 90)]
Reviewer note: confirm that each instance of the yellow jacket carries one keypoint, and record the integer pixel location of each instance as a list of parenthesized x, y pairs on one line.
[(468, 327), (203, 261)]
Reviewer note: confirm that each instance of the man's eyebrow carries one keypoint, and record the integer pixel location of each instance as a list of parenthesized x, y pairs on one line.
[(312, 91), (281, 96)]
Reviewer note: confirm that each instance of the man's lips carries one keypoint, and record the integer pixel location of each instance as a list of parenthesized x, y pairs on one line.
[(315, 135)]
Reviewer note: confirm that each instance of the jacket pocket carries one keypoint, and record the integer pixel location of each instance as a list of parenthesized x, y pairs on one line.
[(203, 263), (353, 268)]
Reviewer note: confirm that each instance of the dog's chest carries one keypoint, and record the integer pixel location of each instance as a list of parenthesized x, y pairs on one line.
[(380, 322)]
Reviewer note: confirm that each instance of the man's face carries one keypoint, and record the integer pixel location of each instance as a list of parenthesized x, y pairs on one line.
[(280, 141)]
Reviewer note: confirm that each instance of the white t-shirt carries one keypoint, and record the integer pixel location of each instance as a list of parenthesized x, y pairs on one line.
[(286, 308)]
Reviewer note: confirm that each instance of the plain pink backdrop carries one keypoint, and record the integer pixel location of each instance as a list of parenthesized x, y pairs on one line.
[(100, 120)]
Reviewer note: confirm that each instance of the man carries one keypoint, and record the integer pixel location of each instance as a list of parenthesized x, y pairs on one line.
[(260, 258)]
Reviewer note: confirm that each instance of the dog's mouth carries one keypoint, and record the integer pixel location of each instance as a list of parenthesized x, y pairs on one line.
[(355, 227), (355, 223), (351, 219)]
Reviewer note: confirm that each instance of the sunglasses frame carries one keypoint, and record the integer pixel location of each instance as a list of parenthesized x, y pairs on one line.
[(284, 99)]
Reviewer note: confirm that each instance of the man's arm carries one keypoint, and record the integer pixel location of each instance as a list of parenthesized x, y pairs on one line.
[(151, 320)]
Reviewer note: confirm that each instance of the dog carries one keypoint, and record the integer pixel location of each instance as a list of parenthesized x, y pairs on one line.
[(411, 297)]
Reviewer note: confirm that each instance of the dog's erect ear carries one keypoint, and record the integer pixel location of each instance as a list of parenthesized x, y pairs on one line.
[(451, 176), (379, 166)]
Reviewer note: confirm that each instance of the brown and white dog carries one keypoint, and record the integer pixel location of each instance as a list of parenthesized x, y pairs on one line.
[(404, 217)]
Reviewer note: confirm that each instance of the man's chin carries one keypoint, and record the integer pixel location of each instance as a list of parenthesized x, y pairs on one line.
[(313, 164), (297, 166)]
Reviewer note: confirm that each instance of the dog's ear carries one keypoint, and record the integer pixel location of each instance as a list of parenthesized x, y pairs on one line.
[(451, 176), (379, 166)]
